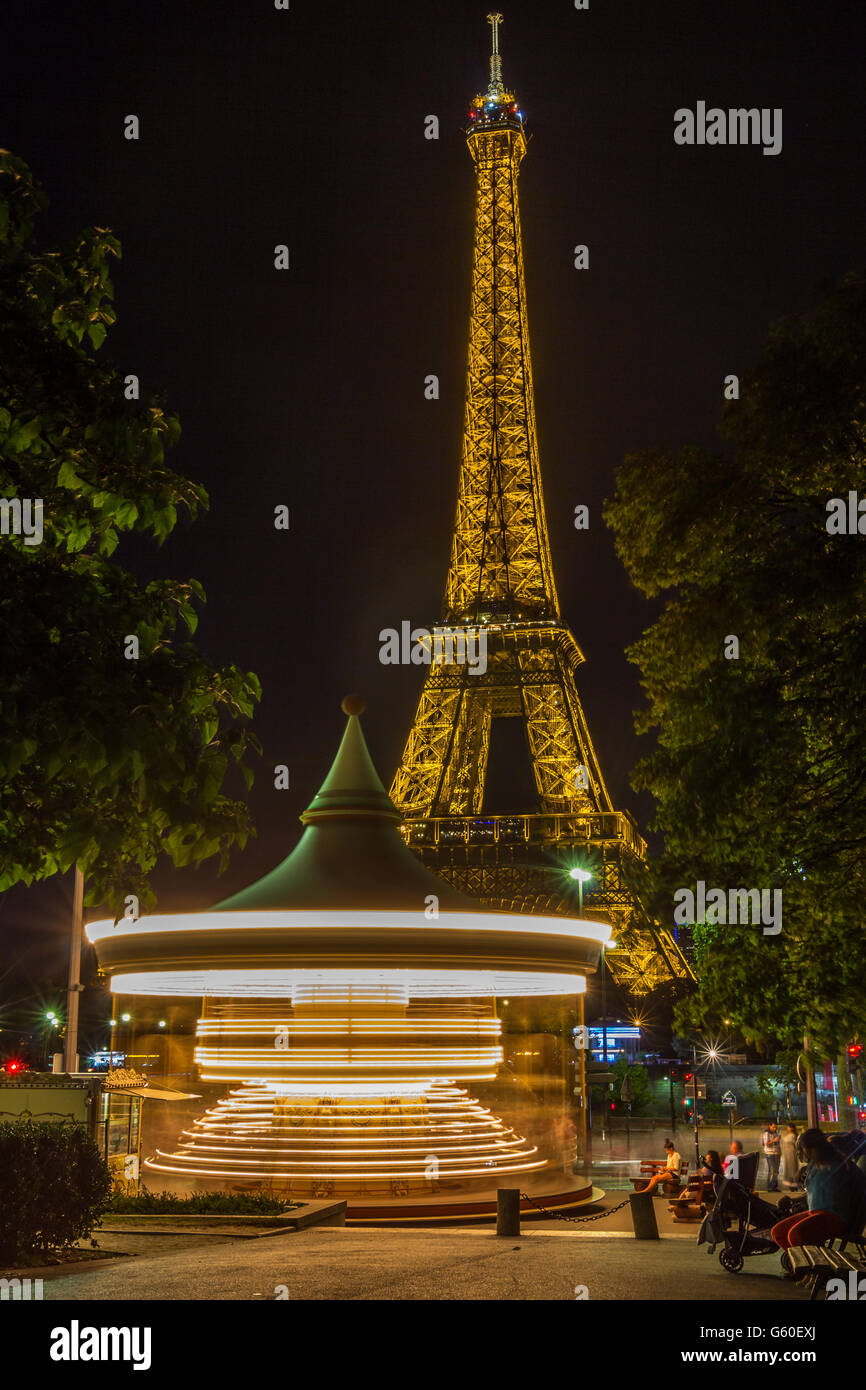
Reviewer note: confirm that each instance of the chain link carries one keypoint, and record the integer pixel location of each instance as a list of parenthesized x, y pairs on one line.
[(575, 1220)]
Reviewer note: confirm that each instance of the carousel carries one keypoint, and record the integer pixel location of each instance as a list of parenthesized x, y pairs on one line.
[(349, 1007)]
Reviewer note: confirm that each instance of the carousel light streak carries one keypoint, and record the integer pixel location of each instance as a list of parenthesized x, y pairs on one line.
[(348, 1029), (281, 984)]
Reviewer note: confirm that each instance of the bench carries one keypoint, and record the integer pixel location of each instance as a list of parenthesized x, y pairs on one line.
[(694, 1201), (670, 1187), (816, 1264)]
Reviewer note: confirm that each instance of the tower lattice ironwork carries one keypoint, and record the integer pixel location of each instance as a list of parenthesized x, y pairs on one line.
[(501, 585)]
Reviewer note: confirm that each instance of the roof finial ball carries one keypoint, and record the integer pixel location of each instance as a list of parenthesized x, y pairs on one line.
[(353, 704)]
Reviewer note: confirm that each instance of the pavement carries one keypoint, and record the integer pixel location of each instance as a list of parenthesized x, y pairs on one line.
[(551, 1259)]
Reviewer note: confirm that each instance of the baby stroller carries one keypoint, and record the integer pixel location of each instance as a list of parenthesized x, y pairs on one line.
[(740, 1221)]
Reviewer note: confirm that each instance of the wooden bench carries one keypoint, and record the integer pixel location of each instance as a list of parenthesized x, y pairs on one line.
[(815, 1264), (694, 1201), (670, 1187)]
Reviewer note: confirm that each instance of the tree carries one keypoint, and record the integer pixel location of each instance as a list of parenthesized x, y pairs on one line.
[(759, 766), (106, 759)]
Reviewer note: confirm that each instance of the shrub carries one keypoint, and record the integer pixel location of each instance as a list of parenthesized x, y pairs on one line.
[(53, 1187), (201, 1203)]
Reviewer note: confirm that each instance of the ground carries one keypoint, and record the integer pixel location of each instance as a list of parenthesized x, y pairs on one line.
[(549, 1260)]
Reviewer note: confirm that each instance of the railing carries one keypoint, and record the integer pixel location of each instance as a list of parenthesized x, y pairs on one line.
[(538, 829)]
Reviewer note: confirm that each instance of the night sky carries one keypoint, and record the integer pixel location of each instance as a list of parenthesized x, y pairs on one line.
[(306, 387)]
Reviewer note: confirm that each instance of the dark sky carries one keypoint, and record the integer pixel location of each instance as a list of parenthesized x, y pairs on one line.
[(306, 388)]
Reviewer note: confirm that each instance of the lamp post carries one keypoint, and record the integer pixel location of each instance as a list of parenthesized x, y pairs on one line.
[(74, 986), (51, 1024), (581, 876), (695, 1106)]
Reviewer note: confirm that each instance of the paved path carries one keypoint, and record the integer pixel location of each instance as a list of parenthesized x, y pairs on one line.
[(345, 1263)]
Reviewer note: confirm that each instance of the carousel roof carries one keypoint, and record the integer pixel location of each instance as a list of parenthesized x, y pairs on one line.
[(351, 854)]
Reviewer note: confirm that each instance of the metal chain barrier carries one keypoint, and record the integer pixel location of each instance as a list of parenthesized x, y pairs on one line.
[(575, 1220)]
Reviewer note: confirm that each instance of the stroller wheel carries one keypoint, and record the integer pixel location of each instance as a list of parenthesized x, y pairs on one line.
[(731, 1261), (787, 1267)]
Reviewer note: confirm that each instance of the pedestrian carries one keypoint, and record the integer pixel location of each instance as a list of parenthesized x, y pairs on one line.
[(833, 1191), (771, 1143), (790, 1163)]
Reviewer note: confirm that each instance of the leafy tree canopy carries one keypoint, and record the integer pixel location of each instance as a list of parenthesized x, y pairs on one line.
[(105, 761), (759, 764)]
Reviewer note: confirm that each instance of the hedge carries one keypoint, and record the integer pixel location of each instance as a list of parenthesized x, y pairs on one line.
[(200, 1203), (54, 1185)]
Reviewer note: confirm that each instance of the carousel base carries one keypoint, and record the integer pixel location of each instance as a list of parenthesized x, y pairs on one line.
[(554, 1195), (450, 1204)]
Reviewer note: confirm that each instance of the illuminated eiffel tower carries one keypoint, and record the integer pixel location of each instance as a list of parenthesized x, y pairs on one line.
[(500, 583)]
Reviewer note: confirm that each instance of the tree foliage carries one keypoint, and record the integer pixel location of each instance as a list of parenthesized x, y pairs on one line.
[(105, 761), (759, 764)]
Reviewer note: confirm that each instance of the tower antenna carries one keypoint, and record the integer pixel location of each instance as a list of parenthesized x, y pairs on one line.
[(495, 88)]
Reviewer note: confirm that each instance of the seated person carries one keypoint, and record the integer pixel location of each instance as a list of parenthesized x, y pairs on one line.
[(735, 1151), (702, 1183), (831, 1194), (670, 1172)]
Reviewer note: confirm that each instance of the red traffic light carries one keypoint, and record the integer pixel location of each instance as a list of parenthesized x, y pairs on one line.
[(854, 1050), (689, 1076)]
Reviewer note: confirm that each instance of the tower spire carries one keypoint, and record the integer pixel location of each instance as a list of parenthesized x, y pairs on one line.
[(495, 89)]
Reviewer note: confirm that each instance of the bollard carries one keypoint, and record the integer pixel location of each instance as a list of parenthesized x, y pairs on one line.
[(643, 1216), (508, 1211)]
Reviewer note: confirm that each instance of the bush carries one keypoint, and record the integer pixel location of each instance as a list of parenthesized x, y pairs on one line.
[(53, 1187), (202, 1203)]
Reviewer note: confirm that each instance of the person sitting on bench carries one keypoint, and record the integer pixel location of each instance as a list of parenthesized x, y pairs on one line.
[(831, 1192), (671, 1171), (700, 1188)]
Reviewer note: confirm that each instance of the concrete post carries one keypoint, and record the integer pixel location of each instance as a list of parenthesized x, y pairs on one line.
[(643, 1216), (508, 1211)]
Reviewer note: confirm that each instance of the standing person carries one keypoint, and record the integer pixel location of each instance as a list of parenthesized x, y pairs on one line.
[(832, 1192), (771, 1143), (790, 1162)]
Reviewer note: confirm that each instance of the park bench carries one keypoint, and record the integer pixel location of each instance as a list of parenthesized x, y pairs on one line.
[(650, 1167), (816, 1264), (694, 1201)]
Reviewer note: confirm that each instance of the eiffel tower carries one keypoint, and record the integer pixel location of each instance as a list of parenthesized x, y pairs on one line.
[(501, 585)]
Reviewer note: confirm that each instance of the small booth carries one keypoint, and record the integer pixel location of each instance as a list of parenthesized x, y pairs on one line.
[(107, 1103)]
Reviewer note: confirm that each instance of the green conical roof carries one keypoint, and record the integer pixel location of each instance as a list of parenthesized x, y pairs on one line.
[(351, 854), (353, 784)]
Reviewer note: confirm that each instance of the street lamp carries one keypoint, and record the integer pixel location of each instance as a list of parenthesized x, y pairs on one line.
[(52, 1023), (581, 876)]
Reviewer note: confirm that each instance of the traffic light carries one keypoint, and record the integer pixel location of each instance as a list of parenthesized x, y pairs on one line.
[(689, 1076), (855, 1051)]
